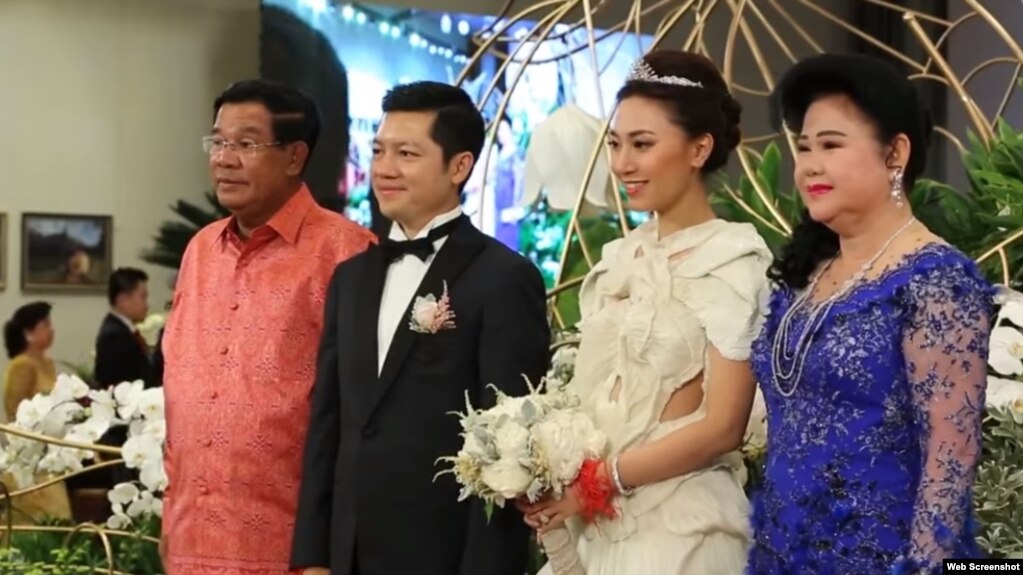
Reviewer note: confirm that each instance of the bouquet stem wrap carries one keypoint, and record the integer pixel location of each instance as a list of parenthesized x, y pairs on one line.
[(562, 555)]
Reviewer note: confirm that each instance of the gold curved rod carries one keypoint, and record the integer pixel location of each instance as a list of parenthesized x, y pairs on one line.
[(673, 16), (955, 141), (864, 36), (968, 77), (101, 533), (983, 128), (8, 511), (557, 36), (696, 33), (933, 77), (1002, 244), (1005, 266), (920, 15), (51, 568), (772, 31), (488, 42), (620, 27), (1008, 94), (947, 34), (749, 210), (999, 29), (751, 40), (558, 320), (548, 22), (565, 286), (741, 88), (65, 477), (737, 25), (795, 24), (1018, 64), (764, 196), (501, 13), (69, 529), (759, 139), (5, 428), (593, 57)]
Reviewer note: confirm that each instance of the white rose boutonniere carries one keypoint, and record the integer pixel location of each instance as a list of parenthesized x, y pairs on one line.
[(431, 314)]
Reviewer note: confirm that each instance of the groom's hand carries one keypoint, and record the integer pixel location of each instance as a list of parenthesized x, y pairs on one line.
[(316, 571)]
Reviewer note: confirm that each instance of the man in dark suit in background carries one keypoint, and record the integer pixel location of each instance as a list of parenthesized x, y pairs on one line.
[(389, 374), (121, 352)]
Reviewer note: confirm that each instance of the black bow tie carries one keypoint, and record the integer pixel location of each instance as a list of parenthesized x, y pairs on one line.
[(422, 248)]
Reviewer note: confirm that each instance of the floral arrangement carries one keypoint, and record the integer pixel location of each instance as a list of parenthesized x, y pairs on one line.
[(998, 490), (71, 412), (151, 326), (528, 446)]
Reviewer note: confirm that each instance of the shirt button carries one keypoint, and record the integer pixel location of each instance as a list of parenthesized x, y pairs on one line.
[(223, 350), (234, 306), (213, 394), (207, 442), (203, 490)]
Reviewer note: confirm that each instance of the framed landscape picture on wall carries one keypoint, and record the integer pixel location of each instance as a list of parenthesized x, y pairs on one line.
[(3, 251), (66, 252)]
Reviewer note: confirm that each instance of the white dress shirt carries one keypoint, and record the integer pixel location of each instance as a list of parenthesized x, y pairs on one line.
[(403, 278)]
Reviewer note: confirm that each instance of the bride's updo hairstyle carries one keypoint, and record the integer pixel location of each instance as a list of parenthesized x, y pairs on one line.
[(695, 95), (885, 97)]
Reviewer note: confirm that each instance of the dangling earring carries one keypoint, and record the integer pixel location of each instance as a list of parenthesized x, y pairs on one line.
[(896, 189)]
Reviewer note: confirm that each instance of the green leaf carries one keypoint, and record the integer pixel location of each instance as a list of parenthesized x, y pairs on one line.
[(769, 166), (488, 510)]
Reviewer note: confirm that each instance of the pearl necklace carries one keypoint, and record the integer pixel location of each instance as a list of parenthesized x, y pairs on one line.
[(797, 359)]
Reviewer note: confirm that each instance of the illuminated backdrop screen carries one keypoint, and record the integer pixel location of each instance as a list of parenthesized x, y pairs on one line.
[(380, 46)]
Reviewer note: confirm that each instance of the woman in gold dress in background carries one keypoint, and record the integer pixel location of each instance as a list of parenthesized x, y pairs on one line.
[(27, 336)]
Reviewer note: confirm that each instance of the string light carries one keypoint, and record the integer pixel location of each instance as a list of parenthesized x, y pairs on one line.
[(350, 13)]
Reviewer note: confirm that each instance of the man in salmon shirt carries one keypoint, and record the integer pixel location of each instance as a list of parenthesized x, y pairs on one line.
[(240, 348)]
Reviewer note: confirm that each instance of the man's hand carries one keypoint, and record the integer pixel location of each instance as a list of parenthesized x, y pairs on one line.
[(316, 571)]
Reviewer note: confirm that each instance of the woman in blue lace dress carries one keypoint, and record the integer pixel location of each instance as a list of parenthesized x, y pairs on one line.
[(872, 361)]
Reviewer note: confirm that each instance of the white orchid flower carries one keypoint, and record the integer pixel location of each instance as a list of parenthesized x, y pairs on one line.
[(141, 450), (69, 388), (123, 494), (1003, 393), (128, 395), (32, 411), (153, 476), (103, 405), (1006, 353), (150, 403), (118, 520)]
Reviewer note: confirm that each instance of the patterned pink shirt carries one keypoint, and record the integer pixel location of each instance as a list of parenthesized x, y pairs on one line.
[(240, 351)]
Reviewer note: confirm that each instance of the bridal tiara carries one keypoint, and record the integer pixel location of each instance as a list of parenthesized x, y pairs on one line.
[(643, 72)]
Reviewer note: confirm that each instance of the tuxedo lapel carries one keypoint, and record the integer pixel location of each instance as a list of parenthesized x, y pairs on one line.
[(462, 245), (366, 316)]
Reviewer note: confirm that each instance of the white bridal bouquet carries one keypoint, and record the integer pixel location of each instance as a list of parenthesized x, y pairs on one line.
[(529, 446)]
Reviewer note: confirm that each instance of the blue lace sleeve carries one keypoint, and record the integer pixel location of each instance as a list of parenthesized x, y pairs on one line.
[(945, 343)]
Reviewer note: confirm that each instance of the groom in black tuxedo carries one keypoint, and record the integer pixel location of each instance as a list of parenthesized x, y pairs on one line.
[(392, 366)]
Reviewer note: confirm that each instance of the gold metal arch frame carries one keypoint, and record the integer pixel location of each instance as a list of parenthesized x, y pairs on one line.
[(686, 24)]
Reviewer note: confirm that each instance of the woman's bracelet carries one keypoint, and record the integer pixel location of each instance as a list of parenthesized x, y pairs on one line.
[(616, 478)]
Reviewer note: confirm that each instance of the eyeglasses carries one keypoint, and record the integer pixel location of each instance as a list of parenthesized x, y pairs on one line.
[(213, 145)]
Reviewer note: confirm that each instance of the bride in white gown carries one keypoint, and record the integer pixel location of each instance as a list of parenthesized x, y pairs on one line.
[(669, 314)]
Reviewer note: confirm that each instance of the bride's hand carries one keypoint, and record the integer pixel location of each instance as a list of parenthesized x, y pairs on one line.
[(549, 513)]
